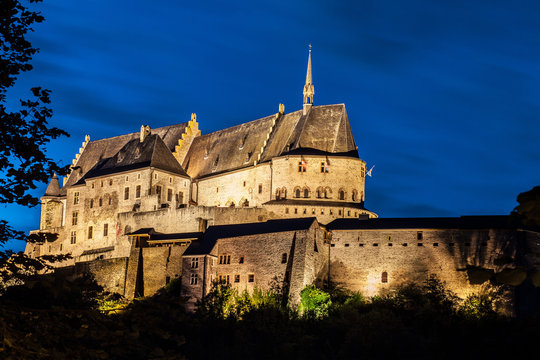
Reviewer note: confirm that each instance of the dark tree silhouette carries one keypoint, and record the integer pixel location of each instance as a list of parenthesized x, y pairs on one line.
[(529, 207), (24, 132)]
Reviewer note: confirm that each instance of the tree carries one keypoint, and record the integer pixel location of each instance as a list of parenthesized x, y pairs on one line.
[(24, 131), (529, 207)]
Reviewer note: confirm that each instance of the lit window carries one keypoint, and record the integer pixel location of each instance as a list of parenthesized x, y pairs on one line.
[(75, 198)]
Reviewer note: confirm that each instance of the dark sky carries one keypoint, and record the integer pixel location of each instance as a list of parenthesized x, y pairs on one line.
[(443, 96)]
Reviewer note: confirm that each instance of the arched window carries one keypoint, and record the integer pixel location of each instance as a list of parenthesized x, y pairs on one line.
[(278, 194), (319, 193), (283, 193), (245, 203), (306, 193), (355, 195), (341, 195), (384, 277), (327, 193), (297, 193), (284, 258), (232, 204)]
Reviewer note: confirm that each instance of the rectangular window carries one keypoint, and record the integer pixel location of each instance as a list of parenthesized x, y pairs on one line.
[(302, 166), (251, 278), (126, 193), (194, 279), (105, 229), (169, 194), (241, 261), (260, 188), (75, 218), (75, 198), (224, 259), (73, 237), (194, 263), (158, 192), (92, 185), (236, 278), (324, 167), (100, 202), (91, 203), (138, 191), (90, 232), (224, 279), (419, 235)]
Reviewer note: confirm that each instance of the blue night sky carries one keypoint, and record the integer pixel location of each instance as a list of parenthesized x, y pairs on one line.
[(443, 96)]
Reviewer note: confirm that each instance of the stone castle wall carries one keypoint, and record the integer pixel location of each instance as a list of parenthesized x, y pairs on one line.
[(358, 258)]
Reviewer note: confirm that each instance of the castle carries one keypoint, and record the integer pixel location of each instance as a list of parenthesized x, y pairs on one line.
[(276, 199)]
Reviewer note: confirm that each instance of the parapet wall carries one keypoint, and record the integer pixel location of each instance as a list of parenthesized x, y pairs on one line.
[(375, 261)]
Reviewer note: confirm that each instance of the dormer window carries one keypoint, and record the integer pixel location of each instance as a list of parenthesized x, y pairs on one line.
[(243, 142)]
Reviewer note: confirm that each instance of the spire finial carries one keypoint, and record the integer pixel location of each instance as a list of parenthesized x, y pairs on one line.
[(309, 89)]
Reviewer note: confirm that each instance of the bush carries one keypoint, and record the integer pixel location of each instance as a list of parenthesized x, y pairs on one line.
[(314, 302)]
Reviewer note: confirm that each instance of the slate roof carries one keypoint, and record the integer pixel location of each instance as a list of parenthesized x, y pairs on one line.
[(213, 233), (302, 202), (154, 235), (239, 146), (135, 155), (99, 150), (53, 189), (463, 222)]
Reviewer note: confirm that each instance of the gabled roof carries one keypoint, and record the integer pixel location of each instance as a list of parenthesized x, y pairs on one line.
[(463, 222), (99, 150), (324, 130), (213, 233), (152, 152)]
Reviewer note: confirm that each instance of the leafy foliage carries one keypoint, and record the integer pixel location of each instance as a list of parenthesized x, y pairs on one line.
[(529, 207), (314, 302), (24, 135)]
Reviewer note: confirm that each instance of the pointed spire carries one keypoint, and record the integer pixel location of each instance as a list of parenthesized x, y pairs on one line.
[(54, 187), (309, 90)]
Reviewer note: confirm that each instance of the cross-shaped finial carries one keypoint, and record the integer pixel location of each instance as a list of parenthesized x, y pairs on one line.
[(309, 47)]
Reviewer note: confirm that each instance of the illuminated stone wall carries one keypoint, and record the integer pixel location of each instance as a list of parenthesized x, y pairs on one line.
[(358, 258), (298, 258)]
